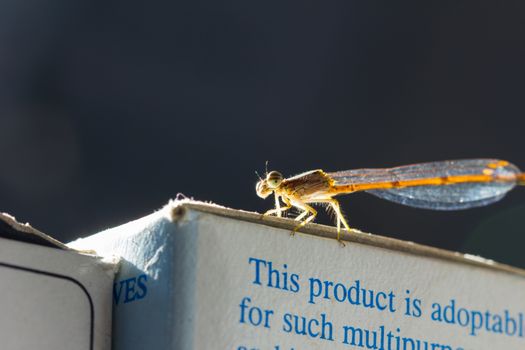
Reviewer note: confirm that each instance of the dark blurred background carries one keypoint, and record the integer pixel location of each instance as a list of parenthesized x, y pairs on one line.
[(108, 108)]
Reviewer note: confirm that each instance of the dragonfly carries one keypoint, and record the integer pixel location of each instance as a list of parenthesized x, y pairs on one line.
[(442, 185)]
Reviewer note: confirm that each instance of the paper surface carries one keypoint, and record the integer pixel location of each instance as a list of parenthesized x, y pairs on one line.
[(197, 276), (259, 288), (53, 299)]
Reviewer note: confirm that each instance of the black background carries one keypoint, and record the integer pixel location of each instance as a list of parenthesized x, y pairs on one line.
[(108, 109)]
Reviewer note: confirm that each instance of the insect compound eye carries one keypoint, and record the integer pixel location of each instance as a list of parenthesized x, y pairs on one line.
[(274, 179)]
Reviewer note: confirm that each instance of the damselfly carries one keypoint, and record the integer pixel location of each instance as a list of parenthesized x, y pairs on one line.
[(445, 185)]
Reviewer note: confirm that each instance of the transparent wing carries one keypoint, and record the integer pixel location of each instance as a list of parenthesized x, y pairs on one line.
[(446, 185)]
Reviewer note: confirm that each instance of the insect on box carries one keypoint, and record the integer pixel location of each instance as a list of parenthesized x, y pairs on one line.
[(201, 276)]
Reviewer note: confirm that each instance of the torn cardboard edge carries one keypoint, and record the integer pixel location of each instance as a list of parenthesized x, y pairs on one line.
[(12, 229), (176, 211)]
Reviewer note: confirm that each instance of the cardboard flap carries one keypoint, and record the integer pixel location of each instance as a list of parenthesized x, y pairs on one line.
[(12, 229)]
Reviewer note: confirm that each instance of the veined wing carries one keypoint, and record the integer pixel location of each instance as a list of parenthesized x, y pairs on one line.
[(445, 185)]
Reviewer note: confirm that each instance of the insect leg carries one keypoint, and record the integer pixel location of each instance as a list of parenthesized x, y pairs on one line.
[(277, 204), (340, 217), (278, 210), (307, 210), (302, 215)]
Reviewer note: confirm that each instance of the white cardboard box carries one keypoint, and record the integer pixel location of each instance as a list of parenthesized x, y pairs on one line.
[(50, 296), (198, 276)]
